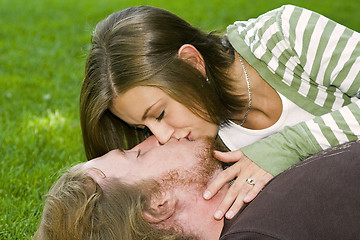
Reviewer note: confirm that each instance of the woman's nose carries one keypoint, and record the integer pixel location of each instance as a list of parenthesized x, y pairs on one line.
[(163, 132)]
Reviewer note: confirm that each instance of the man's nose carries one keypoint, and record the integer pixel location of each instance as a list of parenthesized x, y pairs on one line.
[(147, 144), (163, 132)]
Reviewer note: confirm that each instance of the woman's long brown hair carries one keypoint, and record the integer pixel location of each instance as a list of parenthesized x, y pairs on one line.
[(138, 47)]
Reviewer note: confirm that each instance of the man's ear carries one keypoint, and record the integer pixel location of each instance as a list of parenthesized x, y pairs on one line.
[(162, 207), (191, 55)]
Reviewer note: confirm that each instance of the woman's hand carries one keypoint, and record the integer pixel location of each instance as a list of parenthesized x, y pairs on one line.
[(242, 189)]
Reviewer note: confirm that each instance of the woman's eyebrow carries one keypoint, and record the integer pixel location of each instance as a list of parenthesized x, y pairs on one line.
[(147, 110)]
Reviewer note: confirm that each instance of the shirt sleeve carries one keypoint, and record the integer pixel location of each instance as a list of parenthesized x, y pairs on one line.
[(280, 151), (328, 56)]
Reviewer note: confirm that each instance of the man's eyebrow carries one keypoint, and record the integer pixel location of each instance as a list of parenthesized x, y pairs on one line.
[(121, 150), (147, 111)]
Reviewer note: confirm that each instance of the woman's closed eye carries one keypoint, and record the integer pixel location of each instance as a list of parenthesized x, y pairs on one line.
[(139, 127), (160, 116)]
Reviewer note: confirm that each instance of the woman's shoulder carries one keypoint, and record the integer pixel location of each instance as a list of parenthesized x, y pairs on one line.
[(278, 14)]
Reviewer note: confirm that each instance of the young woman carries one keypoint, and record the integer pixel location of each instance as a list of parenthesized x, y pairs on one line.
[(291, 73)]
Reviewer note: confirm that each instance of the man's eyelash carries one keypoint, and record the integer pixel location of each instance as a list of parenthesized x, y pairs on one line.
[(138, 153), (160, 116)]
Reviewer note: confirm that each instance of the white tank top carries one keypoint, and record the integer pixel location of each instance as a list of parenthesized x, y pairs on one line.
[(235, 136)]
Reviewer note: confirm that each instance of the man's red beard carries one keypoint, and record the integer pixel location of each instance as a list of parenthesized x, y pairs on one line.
[(194, 179), (200, 174), (197, 177)]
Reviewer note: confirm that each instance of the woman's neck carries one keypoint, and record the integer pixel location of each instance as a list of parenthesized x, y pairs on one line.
[(266, 104)]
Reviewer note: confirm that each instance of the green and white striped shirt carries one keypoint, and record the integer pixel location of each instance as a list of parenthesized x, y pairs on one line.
[(314, 62)]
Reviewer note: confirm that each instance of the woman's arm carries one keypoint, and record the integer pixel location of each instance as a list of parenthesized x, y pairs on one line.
[(280, 151), (315, 63), (325, 58)]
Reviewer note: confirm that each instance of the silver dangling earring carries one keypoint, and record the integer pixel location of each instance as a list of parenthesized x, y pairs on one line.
[(207, 82)]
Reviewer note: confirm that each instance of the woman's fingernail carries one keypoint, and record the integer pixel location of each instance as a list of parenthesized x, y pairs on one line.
[(216, 152), (207, 194), (218, 214), (229, 215)]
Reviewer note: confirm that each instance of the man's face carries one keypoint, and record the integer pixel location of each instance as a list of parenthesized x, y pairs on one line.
[(150, 159), (182, 168)]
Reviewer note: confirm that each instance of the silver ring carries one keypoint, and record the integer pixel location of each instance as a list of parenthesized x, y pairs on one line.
[(250, 181)]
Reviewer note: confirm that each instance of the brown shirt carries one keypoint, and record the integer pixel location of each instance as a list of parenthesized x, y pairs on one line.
[(317, 199)]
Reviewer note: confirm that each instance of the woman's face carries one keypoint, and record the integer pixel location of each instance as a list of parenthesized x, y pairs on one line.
[(166, 118)]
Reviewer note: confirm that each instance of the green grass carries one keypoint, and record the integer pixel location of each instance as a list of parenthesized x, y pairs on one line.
[(43, 46)]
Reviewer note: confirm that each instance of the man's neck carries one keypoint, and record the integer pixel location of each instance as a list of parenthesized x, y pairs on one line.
[(196, 215)]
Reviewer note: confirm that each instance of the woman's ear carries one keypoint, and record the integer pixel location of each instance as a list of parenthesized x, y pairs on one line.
[(191, 55), (161, 208)]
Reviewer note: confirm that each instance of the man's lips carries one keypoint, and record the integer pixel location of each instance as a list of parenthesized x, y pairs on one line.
[(189, 136)]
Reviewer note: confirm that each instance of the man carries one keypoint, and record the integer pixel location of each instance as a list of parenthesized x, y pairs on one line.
[(155, 192)]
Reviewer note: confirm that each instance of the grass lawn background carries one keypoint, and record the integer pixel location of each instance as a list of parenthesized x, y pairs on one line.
[(43, 46)]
